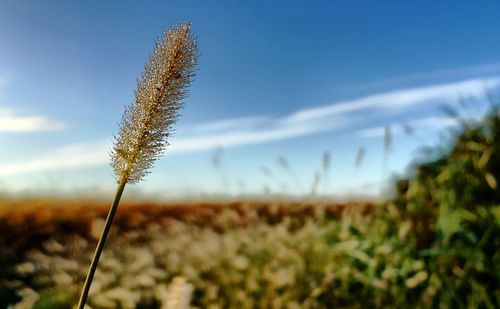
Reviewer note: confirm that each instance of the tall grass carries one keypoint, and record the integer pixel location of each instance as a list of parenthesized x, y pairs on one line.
[(219, 168), (147, 123), (283, 162)]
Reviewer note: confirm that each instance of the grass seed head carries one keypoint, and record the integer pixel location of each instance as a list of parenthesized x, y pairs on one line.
[(387, 138), (148, 122), (283, 162), (360, 156), (327, 159)]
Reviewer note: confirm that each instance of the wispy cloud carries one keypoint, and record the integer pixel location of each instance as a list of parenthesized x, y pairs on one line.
[(93, 154), (254, 135), (399, 99), (424, 123), (230, 124), (264, 129), (430, 76), (12, 123), (77, 155)]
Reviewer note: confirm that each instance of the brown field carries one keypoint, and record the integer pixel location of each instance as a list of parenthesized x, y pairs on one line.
[(28, 223)]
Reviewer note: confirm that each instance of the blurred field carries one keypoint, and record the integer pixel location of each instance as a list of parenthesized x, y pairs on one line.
[(152, 244), (434, 244), (237, 255), (31, 222)]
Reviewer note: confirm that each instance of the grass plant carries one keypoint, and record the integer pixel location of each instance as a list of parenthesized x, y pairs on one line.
[(147, 123)]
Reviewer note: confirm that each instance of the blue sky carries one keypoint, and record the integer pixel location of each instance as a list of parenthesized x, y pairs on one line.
[(276, 78)]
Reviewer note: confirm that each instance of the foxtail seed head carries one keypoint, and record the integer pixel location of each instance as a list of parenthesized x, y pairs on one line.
[(147, 123)]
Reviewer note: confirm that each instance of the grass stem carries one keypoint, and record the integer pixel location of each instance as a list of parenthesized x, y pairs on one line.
[(100, 245)]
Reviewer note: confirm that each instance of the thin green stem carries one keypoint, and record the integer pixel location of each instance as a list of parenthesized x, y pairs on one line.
[(100, 245)]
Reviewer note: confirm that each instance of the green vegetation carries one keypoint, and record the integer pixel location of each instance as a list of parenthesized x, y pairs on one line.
[(453, 204)]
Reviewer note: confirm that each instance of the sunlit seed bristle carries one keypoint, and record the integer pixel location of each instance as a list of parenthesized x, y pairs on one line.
[(147, 123)]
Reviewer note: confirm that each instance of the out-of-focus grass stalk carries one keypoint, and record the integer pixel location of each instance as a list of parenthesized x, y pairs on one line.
[(148, 122), (387, 148)]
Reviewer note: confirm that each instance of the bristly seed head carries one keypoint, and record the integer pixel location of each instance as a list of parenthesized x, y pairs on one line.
[(147, 123)]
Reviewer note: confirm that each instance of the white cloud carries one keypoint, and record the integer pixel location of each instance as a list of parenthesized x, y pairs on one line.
[(263, 129), (77, 155), (95, 154), (230, 124), (430, 76), (375, 132), (12, 123), (432, 123), (254, 136), (388, 101)]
